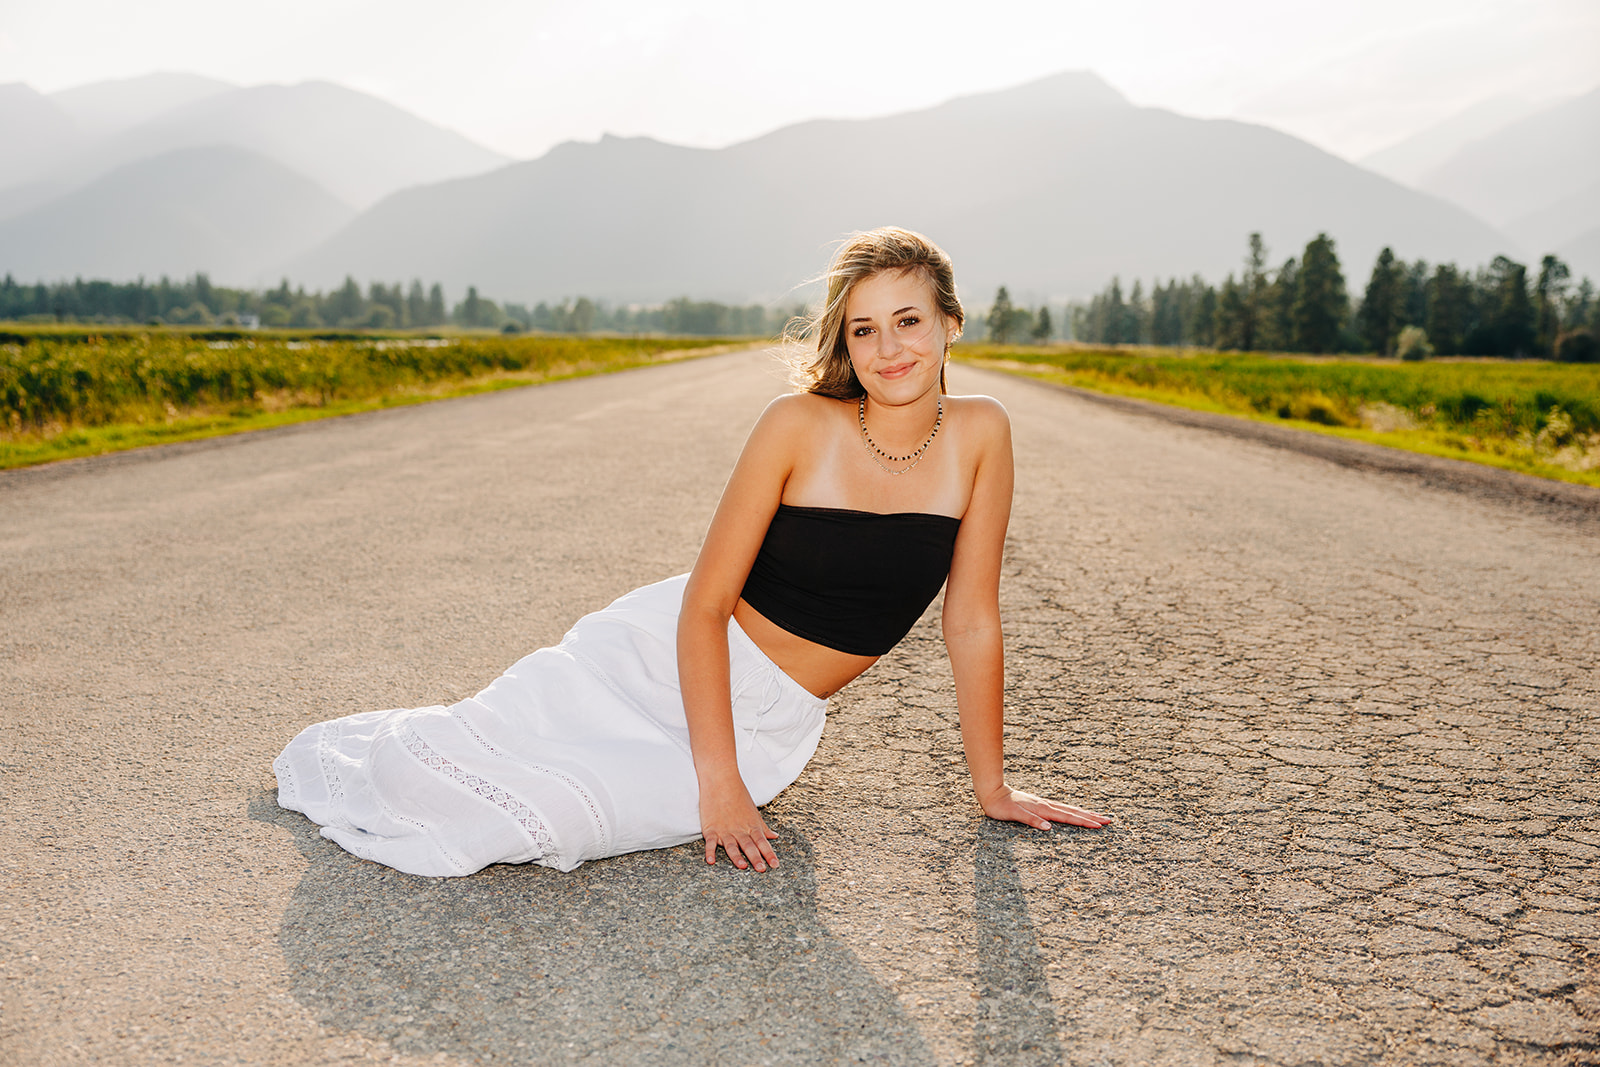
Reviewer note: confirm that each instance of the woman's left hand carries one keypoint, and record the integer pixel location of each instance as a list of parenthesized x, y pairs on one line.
[(1013, 805)]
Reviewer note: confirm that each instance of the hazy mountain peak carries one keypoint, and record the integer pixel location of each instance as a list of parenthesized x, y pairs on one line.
[(353, 144), (35, 134), (20, 102), (1067, 89), (109, 106), (216, 208), (1068, 185), (1069, 93), (615, 146), (1527, 165), (1408, 159)]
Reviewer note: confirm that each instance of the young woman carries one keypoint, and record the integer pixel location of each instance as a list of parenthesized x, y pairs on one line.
[(678, 710)]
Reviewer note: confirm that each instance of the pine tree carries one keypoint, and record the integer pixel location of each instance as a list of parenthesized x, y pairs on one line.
[(1137, 316), (1042, 328), (583, 316), (1254, 288), (1322, 305), (1231, 329), (1166, 314), (1200, 324), (416, 305), (1580, 307), (1509, 316), (1000, 318), (1414, 294), (1278, 328), (1380, 306), (1550, 291), (203, 293), (1116, 314), (343, 307), (470, 312), (1449, 310)]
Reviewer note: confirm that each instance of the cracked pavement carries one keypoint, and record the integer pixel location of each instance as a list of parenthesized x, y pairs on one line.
[(1348, 721)]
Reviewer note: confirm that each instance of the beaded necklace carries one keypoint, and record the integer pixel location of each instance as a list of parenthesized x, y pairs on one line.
[(879, 455)]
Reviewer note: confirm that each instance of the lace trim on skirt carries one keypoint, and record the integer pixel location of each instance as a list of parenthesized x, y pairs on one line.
[(525, 816)]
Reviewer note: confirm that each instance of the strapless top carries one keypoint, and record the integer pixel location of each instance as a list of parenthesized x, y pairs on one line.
[(855, 581)]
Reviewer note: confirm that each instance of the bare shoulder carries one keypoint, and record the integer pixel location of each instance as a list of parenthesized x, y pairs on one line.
[(983, 417), (794, 409), (791, 421)]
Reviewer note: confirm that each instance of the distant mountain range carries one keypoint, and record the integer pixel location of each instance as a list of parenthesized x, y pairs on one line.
[(1410, 159), (1538, 178), (219, 207), (291, 164), (1051, 188), (1532, 172), (1525, 166), (110, 107)]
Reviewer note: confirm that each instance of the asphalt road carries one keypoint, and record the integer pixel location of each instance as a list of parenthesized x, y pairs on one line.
[(1349, 721)]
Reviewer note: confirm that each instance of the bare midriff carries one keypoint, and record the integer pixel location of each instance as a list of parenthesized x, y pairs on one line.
[(820, 670)]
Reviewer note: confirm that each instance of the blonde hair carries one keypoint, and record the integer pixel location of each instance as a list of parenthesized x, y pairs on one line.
[(820, 362)]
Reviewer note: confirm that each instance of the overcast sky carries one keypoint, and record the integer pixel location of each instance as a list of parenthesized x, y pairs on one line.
[(1350, 76)]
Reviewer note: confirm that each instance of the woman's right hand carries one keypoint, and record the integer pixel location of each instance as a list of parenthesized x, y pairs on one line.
[(730, 819)]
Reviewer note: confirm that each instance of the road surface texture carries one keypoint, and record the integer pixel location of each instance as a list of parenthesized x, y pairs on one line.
[(1348, 721)]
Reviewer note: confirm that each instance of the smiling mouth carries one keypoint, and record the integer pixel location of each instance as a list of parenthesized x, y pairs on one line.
[(898, 371)]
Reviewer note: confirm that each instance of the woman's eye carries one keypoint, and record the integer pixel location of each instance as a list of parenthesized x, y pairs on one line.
[(909, 320), (861, 331)]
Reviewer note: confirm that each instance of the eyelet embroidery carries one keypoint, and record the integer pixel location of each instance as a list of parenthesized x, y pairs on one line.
[(286, 780), (328, 756), (565, 779), (525, 816)]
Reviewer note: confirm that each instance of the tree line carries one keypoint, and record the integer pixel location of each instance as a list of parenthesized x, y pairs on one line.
[(195, 302), (1409, 310)]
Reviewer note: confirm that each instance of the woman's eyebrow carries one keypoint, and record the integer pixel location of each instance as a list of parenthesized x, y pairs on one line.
[(892, 314)]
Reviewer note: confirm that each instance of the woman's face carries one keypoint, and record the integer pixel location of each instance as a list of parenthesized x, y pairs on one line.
[(895, 335)]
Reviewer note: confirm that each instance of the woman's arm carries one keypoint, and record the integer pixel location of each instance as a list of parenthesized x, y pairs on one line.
[(728, 817), (972, 630)]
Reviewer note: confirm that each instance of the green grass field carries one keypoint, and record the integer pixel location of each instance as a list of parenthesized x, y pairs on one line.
[(79, 391), (1525, 415)]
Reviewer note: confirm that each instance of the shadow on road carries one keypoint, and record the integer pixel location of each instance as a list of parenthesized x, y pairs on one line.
[(1016, 1020), (647, 958)]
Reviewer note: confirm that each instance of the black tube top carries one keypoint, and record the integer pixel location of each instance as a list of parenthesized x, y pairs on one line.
[(855, 581)]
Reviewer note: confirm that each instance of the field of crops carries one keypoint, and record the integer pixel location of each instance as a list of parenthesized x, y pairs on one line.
[(80, 391), (1527, 415)]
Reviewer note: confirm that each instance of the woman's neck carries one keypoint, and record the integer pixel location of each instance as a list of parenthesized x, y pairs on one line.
[(902, 427)]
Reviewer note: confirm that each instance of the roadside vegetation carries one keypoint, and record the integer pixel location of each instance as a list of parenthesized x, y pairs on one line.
[(1526, 415), (76, 391), (97, 366)]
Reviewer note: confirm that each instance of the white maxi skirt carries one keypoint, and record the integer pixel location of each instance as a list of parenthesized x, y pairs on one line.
[(577, 752)]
